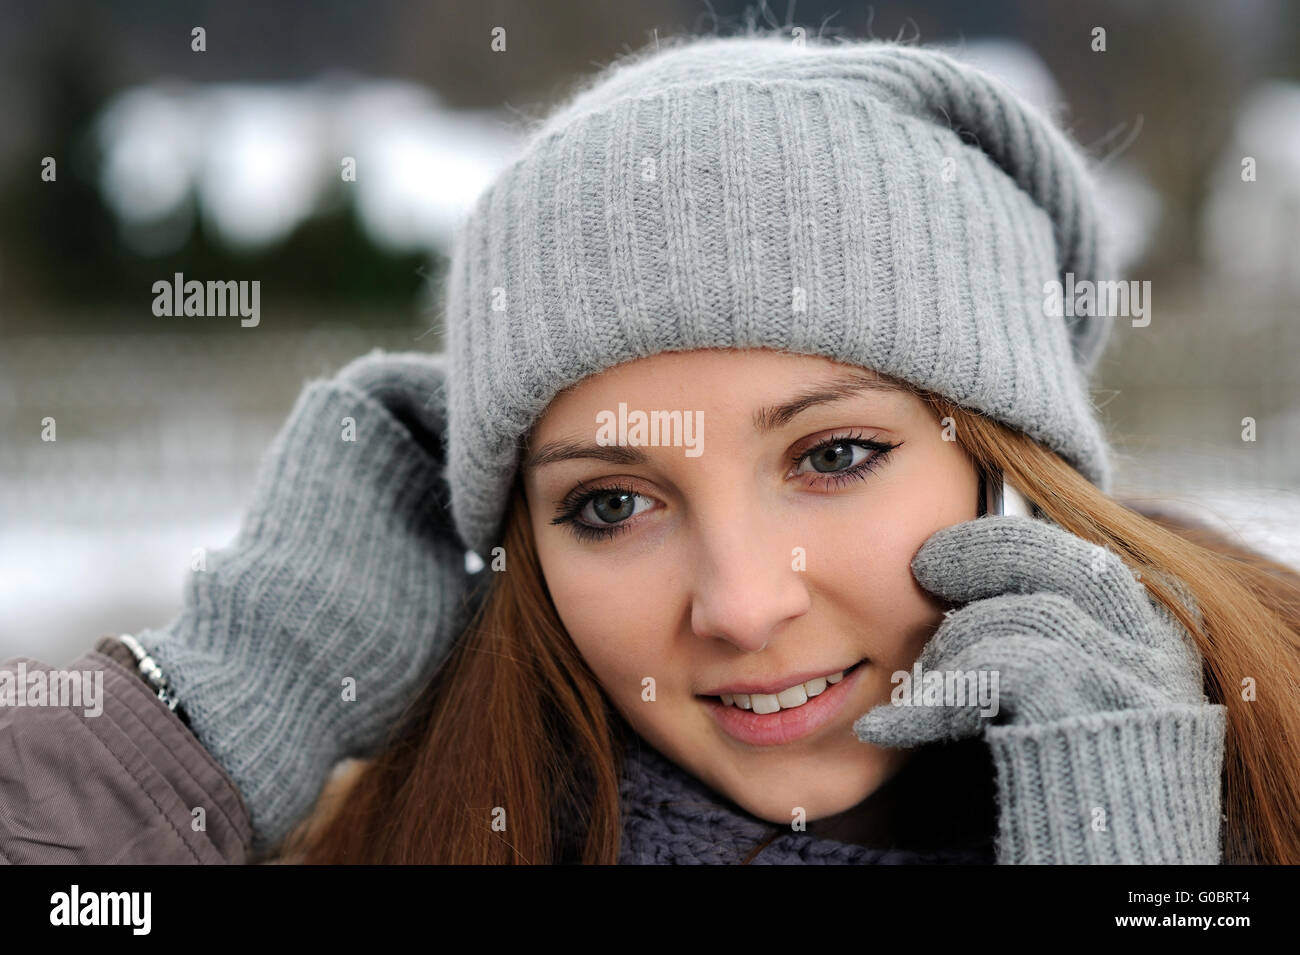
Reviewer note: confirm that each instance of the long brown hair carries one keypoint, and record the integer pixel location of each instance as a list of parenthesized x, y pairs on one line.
[(513, 753)]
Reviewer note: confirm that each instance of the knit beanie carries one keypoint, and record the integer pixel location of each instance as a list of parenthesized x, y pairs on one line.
[(878, 204)]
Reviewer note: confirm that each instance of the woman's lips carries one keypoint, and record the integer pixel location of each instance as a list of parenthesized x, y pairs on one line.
[(784, 726)]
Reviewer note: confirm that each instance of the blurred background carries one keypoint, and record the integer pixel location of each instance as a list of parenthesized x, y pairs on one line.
[(127, 155)]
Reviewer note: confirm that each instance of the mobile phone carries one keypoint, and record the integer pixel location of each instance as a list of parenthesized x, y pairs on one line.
[(1002, 498)]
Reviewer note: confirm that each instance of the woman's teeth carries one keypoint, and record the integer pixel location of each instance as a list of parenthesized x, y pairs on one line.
[(788, 699)]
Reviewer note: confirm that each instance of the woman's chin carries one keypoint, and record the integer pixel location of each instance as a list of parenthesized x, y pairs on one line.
[(774, 800)]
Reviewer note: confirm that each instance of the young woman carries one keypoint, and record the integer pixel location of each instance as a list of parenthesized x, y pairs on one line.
[(736, 348), (680, 570), (834, 257)]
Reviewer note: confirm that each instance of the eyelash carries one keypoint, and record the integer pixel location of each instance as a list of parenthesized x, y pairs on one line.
[(577, 499)]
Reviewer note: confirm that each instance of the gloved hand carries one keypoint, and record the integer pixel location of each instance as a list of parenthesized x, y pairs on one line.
[(1105, 747), (303, 641)]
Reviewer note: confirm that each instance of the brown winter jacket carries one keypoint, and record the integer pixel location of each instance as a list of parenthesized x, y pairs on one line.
[(119, 786)]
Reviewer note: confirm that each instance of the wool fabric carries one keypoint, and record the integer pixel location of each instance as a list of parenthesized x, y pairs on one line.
[(670, 817)]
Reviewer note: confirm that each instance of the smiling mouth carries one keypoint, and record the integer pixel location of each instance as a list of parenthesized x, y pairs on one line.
[(788, 699)]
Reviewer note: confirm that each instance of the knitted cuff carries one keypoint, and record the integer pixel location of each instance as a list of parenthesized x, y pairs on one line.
[(336, 573), (1133, 786)]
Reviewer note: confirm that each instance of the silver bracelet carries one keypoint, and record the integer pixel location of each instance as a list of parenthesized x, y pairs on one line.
[(149, 668)]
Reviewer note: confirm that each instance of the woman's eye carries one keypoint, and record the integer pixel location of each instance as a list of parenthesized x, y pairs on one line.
[(611, 507), (600, 513), (844, 458), (835, 456)]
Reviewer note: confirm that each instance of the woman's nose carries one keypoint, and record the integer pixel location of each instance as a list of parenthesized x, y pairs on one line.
[(745, 583)]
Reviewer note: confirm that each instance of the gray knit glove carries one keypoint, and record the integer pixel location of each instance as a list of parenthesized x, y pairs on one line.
[(303, 641), (1105, 748)]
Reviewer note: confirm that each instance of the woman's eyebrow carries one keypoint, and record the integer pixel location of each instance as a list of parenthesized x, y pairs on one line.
[(766, 420), (567, 449), (846, 385)]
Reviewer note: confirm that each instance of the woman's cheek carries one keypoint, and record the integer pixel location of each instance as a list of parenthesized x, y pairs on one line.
[(597, 618), (874, 581), (623, 663)]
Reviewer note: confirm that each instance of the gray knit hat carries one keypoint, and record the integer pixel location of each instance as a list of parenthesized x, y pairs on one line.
[(881, 205)]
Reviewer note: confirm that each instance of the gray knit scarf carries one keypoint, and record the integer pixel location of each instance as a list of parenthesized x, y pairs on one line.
[(942, 802)]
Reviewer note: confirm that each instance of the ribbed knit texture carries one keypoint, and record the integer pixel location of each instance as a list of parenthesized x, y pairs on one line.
[(881, 205), (1128, 787), (1105, 746), (345, 566)]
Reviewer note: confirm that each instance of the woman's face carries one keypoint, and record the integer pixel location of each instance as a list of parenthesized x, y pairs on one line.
[(768, 548)]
